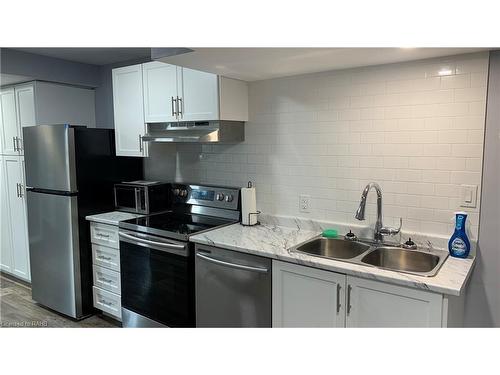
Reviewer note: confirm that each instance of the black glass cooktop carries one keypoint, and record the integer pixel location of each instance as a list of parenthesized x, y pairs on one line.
[(178, 225)]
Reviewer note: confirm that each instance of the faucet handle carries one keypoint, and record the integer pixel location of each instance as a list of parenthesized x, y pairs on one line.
[(388, 231)]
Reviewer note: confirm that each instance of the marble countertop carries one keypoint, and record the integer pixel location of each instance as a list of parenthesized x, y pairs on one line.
[(112, 218), (274, 241)]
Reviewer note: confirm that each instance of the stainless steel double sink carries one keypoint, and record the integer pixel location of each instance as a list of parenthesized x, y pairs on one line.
[(364, 253)]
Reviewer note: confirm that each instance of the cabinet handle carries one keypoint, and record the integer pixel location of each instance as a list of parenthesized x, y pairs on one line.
[(338, 298), (103, 235), (107, 281), (103, 257), (173, 111), (349, 288), (180, 110), (17, 190), (19, 144), (176, 107), (104, 302), (14, 143), (140, 143), (21, 187)]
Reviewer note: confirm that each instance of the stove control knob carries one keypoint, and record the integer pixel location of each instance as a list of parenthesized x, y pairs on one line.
[(184, 193), (219, 197), (229, 198), (176, 192)]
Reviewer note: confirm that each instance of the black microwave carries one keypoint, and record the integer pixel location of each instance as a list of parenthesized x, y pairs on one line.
[(142, 197)]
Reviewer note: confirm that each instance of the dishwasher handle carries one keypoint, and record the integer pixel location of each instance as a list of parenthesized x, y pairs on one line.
[(233, 265)]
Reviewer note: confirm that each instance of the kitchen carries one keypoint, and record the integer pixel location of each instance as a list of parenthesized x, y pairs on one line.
[(225, 188), (308, 143)]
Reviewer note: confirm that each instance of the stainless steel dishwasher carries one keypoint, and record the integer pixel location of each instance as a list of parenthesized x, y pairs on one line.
[(232, 289)]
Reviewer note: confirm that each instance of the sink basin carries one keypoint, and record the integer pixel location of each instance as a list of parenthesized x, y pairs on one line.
[(366, 253), (332, 248), (398, 259)]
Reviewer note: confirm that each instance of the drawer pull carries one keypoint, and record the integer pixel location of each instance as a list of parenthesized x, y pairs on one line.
[(107, 281), (106, 303), (103, 235), (103, 257)]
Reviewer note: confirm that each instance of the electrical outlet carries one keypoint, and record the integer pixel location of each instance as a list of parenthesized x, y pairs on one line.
[(304, 203)]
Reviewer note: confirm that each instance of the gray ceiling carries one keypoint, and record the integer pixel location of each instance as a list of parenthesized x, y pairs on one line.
[(95, 56)]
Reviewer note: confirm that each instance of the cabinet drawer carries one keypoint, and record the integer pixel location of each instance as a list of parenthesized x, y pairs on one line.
[(108, 302), (104, 234), (106, 257), (107, 279)]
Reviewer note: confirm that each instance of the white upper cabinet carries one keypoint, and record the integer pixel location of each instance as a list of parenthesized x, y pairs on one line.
[(41, 103), (25, 100), (160, 92), (10, 129), (18, 110), (129, 111), (173, 93), (198, 96), (378, 304)]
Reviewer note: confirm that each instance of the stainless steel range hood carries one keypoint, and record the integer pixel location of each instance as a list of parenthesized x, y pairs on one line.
[(196, 132)]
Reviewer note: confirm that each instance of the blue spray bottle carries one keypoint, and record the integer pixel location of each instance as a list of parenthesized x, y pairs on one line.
[(459, 245)]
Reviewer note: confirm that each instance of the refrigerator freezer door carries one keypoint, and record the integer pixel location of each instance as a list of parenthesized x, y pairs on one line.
[(49, 153), (54, 252)]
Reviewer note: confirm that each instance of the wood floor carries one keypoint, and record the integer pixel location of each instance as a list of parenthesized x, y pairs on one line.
[(17, 309)]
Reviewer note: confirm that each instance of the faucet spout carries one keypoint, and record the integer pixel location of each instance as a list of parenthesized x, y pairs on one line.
[(360, 213)]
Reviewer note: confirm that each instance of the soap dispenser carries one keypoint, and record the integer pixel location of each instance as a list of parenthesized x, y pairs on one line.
[(459, 245)]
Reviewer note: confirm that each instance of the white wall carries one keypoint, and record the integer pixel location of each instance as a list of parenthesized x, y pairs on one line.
[(483, 295), (417, 133)]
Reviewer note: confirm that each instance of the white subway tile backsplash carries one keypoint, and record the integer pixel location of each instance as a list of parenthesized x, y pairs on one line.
[(416, 132), (467, 150), (470, 94)]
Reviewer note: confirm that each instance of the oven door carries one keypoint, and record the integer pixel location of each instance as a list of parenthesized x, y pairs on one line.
[(157, 279)]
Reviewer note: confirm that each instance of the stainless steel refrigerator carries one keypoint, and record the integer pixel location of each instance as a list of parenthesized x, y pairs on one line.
[(70, 172)]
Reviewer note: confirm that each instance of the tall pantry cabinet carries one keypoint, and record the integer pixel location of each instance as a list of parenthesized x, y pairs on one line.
[(29, 104)]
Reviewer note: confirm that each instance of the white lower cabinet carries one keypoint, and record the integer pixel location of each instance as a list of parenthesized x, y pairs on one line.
[(105, 235), (106, 268), (108, 302), (309, 297), (378, 304), (14, 233), (106, 257), (107, 279)]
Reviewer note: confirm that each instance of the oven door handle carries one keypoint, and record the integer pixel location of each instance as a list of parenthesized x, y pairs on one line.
[(233, 265), (144, 242)]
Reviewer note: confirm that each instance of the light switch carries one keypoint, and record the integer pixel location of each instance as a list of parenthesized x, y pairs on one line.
[(468, 195)]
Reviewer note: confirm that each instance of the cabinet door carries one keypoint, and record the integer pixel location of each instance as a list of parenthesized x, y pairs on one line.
[(25, 99), (378, 304), (200, 95), (25, 104), (128, 111), (17, 210), (10, 129), (6, 261), (307, 297), (160, 92)]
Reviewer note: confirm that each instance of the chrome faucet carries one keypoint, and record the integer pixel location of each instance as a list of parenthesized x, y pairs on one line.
[(380, 230)]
